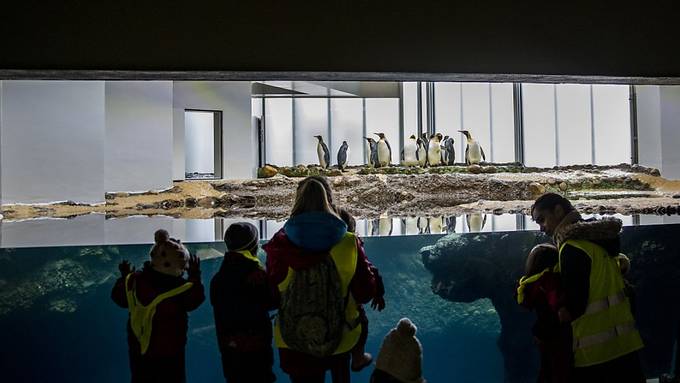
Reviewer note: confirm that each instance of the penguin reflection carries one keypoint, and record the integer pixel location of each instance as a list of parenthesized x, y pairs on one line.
[(451, 224), (410, 225), (381, 226), (475, 222)]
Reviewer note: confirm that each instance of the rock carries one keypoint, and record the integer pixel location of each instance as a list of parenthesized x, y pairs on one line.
[(536, 189), (563, 186), (474, 169), (333, 172), (170, 204), (676, 196), (190, 202), (267, 171), (596, 181), (552, 181), (207, 202), (109, 196), (489, 169), (654, 172)]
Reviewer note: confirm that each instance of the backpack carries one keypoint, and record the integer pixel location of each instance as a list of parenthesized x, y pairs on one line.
[(312, 311)]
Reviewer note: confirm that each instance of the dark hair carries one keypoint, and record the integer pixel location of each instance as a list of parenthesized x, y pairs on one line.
[(348, 219), (549, 201), (323, 181), (540, 258)]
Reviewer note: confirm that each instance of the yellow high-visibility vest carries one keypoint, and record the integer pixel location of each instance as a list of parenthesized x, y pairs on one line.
[(607, 329), (344, 255), (141, 317)]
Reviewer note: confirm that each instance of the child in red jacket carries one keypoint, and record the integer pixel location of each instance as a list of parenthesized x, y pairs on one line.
[(540, 290), (158, 298)]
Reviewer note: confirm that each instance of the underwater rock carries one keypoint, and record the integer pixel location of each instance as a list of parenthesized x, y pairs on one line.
[(63, 306), (466, 268), (267, 171)]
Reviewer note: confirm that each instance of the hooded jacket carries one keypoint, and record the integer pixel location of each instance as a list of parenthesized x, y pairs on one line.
[(574, 263), (170, 322), (545, 297), (304, 241)]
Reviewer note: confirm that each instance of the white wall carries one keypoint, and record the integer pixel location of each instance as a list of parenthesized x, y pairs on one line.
[(239, 140), (139, 152), (670, 131), (199, 142), (649, 125), (52, 141)]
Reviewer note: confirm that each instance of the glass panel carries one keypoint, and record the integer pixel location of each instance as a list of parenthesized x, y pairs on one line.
[(311, 119), (612, 124), (382, 115), (256, 106), (503, 124), (279, 131), (347, 125), (573, 124), (476, 116), (505, 222), (199, 143), (539, 124), (410, 100), (448, 112)]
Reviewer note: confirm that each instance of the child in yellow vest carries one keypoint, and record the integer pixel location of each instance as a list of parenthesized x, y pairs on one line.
[(158, 298)]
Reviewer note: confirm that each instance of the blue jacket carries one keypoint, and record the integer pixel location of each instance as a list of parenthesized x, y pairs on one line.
[(315, 231)]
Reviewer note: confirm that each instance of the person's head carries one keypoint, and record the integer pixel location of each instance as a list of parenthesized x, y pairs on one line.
[(348, 219), (549, 210), (168, 255), (540, 258), (241, 236), (324, 181), (311, 196)]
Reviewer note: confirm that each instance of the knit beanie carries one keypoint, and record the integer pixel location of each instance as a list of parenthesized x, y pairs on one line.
[(241, 236), (168, 255), (401, 353)]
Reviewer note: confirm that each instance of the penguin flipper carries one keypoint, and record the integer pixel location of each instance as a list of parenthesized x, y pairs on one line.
[(326, 154), (389, 150), (483, 222), (482, 150), (402, 154), (467, 160)]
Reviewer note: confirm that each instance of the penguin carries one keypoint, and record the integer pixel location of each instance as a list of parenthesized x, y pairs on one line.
[(375, 227), (436, 225), (451, 224), (410, 225), (323, 153), (450, 151), (474, 153), (422, 225), (434, 151), (409, 154), (343, 153), (372, 147), (426, 140), (475, 222), (445, 154), (384, 150), (421, 153), (384, 226)]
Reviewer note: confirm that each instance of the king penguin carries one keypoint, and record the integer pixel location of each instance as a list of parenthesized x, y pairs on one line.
[(384, 150), (422, 152), (372, 150), (323, 153), (343, 153), (409, 154), (434, 151), (474, 153), (475, 222), (450, 151)]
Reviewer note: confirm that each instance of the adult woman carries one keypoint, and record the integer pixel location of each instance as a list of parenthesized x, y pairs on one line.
[(314, 241)]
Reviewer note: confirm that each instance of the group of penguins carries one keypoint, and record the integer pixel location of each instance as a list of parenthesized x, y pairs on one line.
[(422, 151), (426, 225)]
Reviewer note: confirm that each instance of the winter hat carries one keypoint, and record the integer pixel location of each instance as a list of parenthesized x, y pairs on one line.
[(168, 255), (241, 236), (401, 353)]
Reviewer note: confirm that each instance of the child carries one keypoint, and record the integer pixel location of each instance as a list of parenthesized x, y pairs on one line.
[(360, 358), (158, 299), (540, 290), (400, 356), (241, 300)]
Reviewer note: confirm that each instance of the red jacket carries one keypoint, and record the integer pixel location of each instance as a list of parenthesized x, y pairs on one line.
[(170, 322), (546, 297)]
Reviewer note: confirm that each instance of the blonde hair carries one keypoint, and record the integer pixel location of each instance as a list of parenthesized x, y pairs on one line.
[(311, 196)]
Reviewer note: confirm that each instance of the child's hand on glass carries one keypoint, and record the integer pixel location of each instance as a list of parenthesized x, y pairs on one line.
[(125, 268), (378, 303)]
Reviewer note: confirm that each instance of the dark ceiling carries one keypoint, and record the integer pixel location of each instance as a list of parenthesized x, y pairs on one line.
[(323, 40)]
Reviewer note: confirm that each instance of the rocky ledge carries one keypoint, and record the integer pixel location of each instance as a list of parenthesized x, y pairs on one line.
[(397, 191)]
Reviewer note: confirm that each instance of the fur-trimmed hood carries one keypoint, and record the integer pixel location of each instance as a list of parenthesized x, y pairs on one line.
[(604, 231)]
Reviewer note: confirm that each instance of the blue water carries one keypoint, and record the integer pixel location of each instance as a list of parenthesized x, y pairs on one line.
[(59, 324)]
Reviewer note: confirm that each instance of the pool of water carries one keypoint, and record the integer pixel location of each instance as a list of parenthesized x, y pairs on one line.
[(59, 324)]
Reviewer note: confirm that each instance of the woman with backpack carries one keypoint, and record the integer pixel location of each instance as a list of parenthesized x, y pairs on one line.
[(320, 273)]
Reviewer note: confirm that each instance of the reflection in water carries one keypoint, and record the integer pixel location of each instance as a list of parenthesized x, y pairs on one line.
[(458, 289)]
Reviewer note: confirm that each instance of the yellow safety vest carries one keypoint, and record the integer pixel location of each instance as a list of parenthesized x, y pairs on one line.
[(141, 317), (344, 255), (606, 330)]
